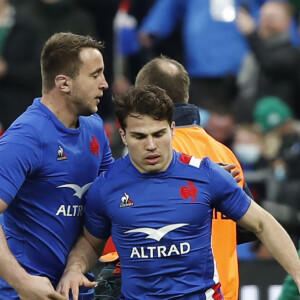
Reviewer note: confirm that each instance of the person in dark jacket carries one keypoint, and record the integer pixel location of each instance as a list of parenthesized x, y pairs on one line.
[(271, 68)]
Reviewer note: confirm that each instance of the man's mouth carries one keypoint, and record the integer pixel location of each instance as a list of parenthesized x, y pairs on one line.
[(153, 159)]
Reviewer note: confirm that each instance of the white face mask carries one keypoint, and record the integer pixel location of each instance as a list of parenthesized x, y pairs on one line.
[(247, 153), (280, 173)]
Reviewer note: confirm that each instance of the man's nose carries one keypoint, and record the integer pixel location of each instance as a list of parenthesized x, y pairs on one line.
[(150, 143)]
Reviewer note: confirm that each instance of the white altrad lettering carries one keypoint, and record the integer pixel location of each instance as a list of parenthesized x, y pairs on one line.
[(160, 251), (70, 210)]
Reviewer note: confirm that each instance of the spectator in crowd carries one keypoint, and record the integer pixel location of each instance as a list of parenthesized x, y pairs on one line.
[(213, 46), (272, 114), (249, 147), (19, 63), (272, 66), (221, 126), (164, 237), (129, 18), (49, 157)]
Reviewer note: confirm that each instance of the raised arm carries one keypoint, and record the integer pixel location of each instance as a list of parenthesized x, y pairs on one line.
[(27, 286), (274, 237), (82, 258)]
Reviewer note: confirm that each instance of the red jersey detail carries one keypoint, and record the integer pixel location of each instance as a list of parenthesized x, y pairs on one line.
[(184, 158), (189, 191), (217, 295), (95, 147)]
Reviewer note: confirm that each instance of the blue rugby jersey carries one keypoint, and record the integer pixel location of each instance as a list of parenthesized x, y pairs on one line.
[(45, 168), (161, 225)]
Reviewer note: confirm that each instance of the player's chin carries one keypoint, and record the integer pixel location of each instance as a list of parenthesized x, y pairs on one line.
[(94, 108), (153, 168), (89, 111)]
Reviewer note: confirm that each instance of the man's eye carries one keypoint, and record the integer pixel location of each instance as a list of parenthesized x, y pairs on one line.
[(159, 134)]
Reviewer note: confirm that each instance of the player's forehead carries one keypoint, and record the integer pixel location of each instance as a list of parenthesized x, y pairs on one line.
[(144, 124), (92, 60)]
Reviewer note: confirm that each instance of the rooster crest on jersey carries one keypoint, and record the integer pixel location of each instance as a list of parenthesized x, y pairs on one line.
[(95, 147), (189, 191), (126, 201)]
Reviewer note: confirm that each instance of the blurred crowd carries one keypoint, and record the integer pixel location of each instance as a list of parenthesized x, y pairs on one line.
[(243, 58)]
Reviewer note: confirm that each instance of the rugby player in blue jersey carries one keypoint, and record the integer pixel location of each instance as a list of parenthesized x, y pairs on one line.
[(49, 157), (157, 205)]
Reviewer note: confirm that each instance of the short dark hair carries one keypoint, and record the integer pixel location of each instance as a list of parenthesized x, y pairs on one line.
[(145, 100), (60, 54), (175, 81)]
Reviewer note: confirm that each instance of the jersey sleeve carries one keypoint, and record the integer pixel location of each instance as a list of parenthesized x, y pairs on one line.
[(96, 221), (227, 196), (107, 159), (19, 157)]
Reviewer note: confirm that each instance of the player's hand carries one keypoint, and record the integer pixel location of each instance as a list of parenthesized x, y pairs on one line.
[(236, 174), (71, 280), (38, 288)]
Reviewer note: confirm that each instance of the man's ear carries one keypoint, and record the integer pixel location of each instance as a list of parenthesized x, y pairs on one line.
[(123, 136), (63, 83), (173, 129)]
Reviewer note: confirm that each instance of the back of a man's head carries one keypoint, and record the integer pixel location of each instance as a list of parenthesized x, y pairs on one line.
[(167, 74)]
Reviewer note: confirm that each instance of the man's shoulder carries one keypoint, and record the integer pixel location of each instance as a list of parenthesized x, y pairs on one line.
[(93, 120), (116, 169), (31, 123)]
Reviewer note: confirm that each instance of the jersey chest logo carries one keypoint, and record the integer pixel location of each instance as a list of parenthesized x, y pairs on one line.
[(79, 191), (60, 154), (95, 147), (125, 201), (189, 191), (157, 234)]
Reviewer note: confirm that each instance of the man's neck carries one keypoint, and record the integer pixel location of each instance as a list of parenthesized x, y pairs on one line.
[(60, 108)]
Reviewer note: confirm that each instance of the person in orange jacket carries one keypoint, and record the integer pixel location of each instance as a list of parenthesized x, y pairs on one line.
[(192, 139)]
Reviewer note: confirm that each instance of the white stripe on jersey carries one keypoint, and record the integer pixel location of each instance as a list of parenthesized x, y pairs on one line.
[(196, 162)]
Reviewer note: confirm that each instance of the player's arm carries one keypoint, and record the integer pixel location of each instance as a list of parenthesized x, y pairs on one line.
[(243, 235), (274, 237), (81, 259), (27, 286)]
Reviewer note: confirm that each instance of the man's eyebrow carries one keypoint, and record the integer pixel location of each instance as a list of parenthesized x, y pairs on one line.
[(152, 133), (99, 70)]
